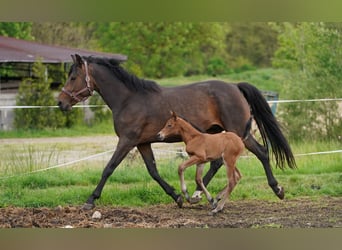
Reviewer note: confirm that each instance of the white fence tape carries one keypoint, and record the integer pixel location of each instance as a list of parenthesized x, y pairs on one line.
[(90, 106), (308, 100)]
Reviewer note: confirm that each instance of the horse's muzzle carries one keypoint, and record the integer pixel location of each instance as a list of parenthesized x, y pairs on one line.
[(64, 107)]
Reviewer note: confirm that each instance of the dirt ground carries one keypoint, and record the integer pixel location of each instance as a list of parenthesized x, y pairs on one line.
[(300, 213)]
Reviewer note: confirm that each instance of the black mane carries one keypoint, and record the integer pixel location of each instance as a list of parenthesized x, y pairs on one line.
[(131, 81)]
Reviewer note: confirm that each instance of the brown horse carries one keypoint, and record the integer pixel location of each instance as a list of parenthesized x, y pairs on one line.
[(140, 109), (202, 148)]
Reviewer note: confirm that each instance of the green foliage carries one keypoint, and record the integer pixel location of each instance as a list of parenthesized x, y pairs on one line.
[(36, 92), (71, 34), (21, 30), (251, 43), (313, 54), (101, 114), (217, 66), (164, 49)]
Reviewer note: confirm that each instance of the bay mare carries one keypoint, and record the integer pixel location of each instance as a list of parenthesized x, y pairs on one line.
[(203, 147), (141, 107)]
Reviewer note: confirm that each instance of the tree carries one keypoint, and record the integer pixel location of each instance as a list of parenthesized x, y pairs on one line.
[(71, 34), (163, 49), (36, 92), (313, 54), (251, 43), (20, 30)]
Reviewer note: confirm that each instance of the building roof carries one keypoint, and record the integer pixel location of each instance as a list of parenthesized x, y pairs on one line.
[(16, 50)]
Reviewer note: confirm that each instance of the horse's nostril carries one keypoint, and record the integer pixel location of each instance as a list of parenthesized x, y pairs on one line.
[(59, 103)]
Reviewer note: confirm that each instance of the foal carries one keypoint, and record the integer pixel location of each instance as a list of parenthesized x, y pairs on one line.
[(202, 148)]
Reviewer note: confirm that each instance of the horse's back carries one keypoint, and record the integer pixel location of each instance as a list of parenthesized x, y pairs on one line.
[(209, 103)]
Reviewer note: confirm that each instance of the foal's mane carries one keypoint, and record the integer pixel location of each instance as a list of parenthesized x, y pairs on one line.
[(130, 80)]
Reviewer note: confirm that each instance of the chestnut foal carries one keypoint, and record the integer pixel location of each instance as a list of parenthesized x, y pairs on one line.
[(202, 148)]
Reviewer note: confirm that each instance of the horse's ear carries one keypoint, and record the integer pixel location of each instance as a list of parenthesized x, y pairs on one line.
[(73, 58), (78, 60)]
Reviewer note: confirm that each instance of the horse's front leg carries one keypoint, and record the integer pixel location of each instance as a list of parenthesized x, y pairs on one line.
[(147, 154), (121, 151)]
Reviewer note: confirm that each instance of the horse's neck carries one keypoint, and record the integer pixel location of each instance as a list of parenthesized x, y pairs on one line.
[(113, 92), (188, 132)]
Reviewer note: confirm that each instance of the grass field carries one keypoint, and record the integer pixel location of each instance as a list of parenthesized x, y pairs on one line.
[(131, 185)]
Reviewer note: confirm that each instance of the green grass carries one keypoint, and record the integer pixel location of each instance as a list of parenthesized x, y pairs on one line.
[(131, 185), (265, 79), (103, 128)]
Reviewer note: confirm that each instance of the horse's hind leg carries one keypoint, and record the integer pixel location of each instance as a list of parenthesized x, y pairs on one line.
[(262, 154)]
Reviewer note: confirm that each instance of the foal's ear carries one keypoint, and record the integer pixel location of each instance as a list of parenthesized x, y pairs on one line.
[(174, 115)]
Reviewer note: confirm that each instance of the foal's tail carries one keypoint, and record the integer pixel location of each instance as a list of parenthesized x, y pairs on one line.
[(268, 126)]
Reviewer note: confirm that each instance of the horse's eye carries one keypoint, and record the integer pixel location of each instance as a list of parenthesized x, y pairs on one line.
[(169, 125), (73, 78)]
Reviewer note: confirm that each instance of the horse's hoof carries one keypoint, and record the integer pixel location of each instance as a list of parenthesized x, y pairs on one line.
[(179, 201), (88, 206), (281, 193), (195, 200), (214, 203)]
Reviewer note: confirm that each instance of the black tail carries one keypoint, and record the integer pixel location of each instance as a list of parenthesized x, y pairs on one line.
[(268, 126), (247, 129)]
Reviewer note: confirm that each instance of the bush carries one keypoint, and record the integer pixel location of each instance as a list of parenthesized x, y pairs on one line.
[(312, 52), (217, 66), (36, 92), (100, 113)]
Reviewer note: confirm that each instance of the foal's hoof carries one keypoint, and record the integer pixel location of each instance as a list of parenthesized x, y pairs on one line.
[(195, 200), (281, 193), (88, 206), (179, 201), (214, 212)]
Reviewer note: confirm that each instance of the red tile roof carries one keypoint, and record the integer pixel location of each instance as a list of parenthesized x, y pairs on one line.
[(16, 50)]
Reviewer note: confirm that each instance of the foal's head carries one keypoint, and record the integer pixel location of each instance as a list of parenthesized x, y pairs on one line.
[(171, 128)]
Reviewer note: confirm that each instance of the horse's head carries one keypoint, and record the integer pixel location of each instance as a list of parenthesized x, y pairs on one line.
[(171, 127), (79, 85)]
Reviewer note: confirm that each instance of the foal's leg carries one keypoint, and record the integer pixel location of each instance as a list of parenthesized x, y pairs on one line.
[(230, 167), (214, 167), (191, 161), (199, 181), (237, 176)]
